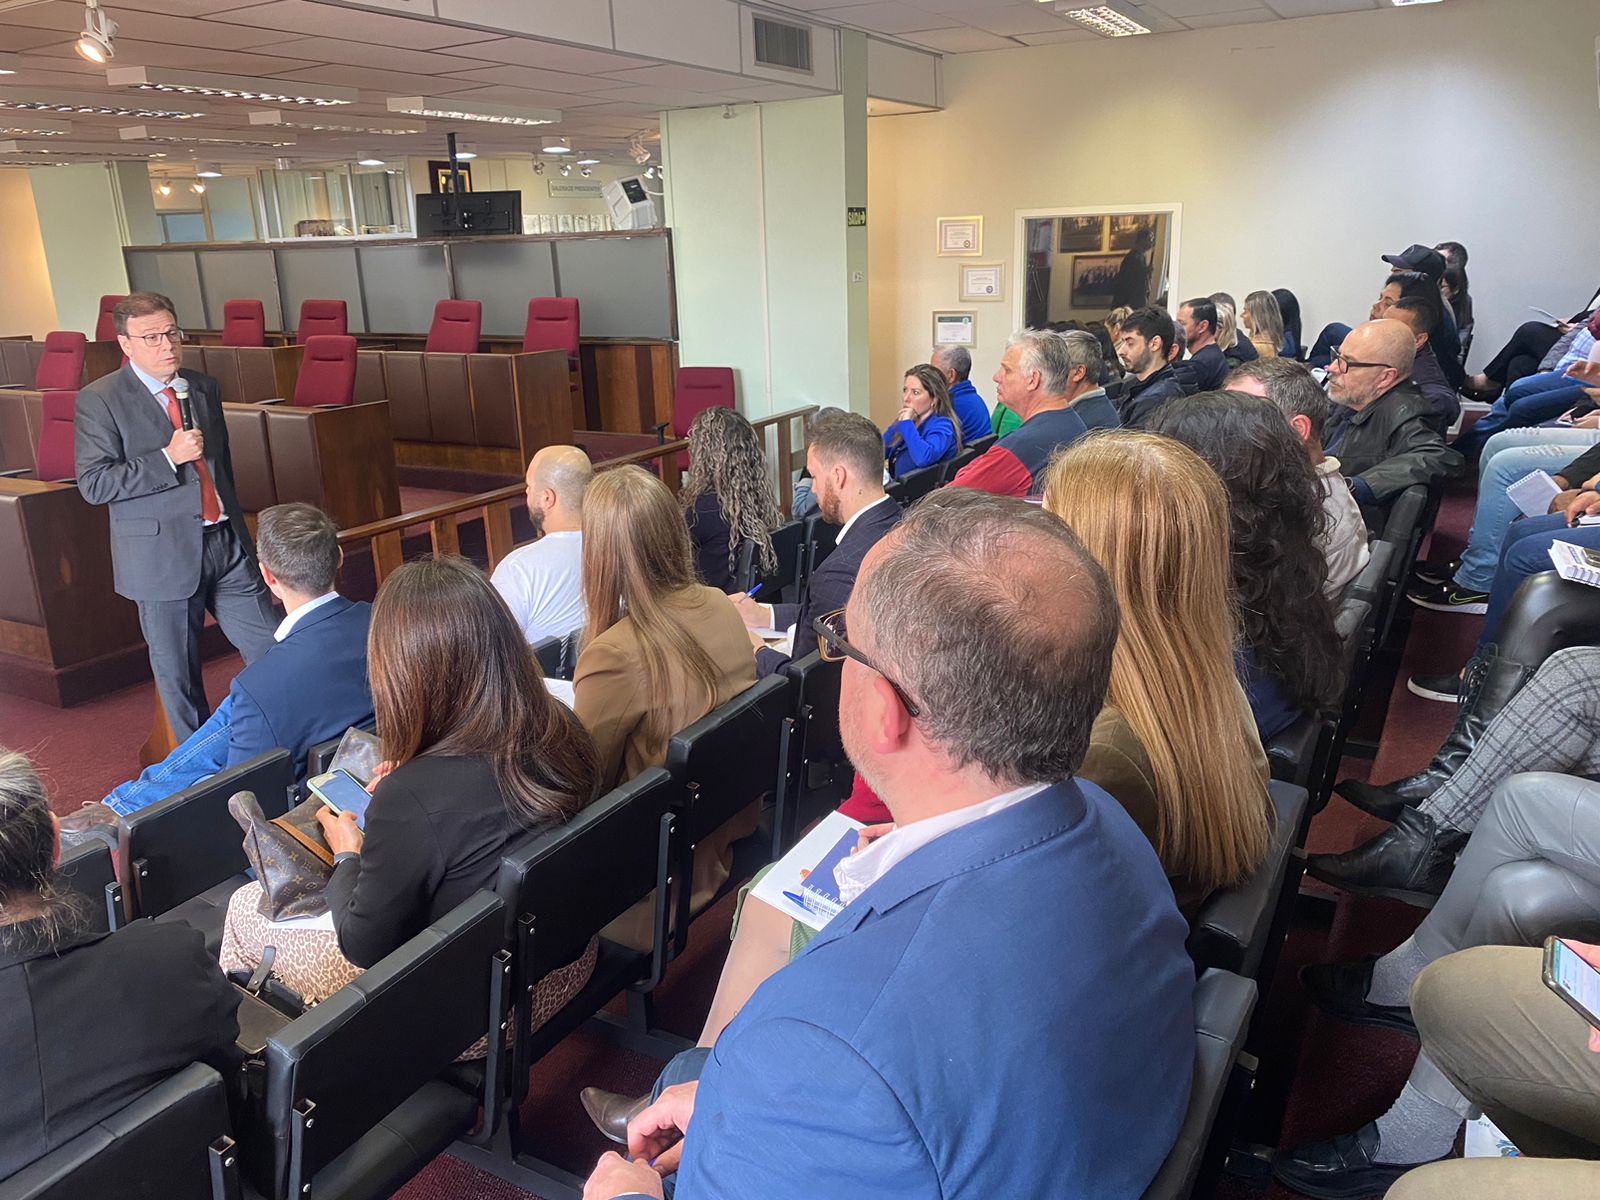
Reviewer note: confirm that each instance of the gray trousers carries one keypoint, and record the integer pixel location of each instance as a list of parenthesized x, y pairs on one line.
[(1552, 724), (231, 589)]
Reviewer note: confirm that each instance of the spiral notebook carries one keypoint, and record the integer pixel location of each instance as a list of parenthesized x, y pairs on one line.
[(1576, 563)]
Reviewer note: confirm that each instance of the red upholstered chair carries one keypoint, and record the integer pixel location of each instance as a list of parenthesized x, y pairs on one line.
[(61, 364), (327, 372), (696, 389), (56, 463), (105, 327), (244, 323), (456, 326), (552, 325), (319, 317)]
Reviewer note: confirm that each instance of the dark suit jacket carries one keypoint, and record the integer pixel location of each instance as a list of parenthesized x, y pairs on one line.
[(709, 533), (120, 433), (88, 1025), (308, 688), (830, 586)]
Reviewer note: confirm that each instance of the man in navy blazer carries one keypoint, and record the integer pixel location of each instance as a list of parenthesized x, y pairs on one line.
[(309, 687), (844, 455), (1005, 1006)]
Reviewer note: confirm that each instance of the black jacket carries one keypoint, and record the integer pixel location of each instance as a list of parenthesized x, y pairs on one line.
[(1144, 396), (831, 585), (1389, 445), (89, 1024), (709, 532)]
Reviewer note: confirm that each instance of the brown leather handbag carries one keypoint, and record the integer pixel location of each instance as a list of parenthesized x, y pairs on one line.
[(291, 858)]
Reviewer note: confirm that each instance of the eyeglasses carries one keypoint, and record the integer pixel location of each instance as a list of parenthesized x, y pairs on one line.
[(1349, 364), (833, 647), (175, 336)]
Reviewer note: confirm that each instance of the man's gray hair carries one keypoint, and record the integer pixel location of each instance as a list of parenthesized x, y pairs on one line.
[(840, 436), (1083, 350), (1044, 351), (997, 622), (300, 545), (954, 359), (1291, 387)]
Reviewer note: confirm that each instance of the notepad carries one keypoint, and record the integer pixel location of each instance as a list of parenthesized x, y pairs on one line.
[(1533, 493), (562, 690), (793, 871), (1576, 563)]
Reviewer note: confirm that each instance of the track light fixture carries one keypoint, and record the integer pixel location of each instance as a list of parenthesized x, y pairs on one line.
[(566, 170), (164, 188), (586, 171), (538, 168), (198, 188), (95, 43)]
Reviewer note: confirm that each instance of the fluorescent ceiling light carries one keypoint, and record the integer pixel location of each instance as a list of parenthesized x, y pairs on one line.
[(95, 44), (1106, 21), (45, 102), (1405, 3), (10, 64), (557, 145), (366, 160), (294, 120), (588, 161), (207, 171), (447, 108), (230, 87), (144, 133), (466, 154), (34, 126)]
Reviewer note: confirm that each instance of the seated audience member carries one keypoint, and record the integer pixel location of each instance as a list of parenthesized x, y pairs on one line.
[(1444, 336), (659, 652), (309, 687), (1464, 587), (972, 414), (1231, 340), (1033, 381), (1086, 396), (727, 496), (1551, 723), (1380, 432), (1144, 347), (1289, 655), (542, 583), (1530, 872), (1418, 314), (863, 1031), (1305, 406), (1453, 292), (88, 1021), (844, 456), (1544, 396), (1535, 346), (1453, 253), (925, 433), (1198, 317), (476, 755), (1131, 287), (1263, 321), (1289, 307)]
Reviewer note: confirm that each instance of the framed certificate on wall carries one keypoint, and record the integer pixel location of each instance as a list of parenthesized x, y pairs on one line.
[(955, 328), (960, 237), (981, 281)]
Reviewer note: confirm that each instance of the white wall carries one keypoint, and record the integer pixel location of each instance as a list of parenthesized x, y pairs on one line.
[(1300, 150), (82, 237), (27, 305)]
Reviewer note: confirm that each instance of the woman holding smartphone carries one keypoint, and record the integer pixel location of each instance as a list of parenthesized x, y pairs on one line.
[(479, 754), (926, 431)]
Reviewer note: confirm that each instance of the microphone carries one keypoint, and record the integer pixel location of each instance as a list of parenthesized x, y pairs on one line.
[(180, 388)]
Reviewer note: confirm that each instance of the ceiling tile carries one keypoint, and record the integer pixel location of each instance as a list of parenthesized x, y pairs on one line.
[(1056, 39), (58, 14), (1184, 9), (524, 52), (888, 17), (1317, 8), (374, 79), (662, 97), (528, 97), (15, 38), (1008, 22), (287, 19), (961, 41), (692, 79), (358, 54), (190, 31), (186, 58), (505, 75), (1248, 16)]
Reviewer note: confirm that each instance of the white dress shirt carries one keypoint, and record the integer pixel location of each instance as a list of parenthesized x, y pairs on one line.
[(286, 626), (543, 585), (860, 871)]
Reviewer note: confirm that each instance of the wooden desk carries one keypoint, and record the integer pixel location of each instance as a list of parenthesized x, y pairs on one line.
[(340, 459), (65, 635)]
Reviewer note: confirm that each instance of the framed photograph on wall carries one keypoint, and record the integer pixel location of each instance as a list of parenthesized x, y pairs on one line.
[(982, 281), (960, 237), (1080, 234), (580, 223), (563, 222), (955, 328), (1094, 278), (1125, 228), (439, 171)]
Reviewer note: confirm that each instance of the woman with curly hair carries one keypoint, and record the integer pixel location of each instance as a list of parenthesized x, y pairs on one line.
[(1289, 659), (728, 497)]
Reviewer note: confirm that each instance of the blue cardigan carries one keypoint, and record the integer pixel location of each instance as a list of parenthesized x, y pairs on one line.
[(917, 448)]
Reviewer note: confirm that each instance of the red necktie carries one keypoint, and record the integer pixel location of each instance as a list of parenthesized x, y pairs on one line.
[(210, 509)]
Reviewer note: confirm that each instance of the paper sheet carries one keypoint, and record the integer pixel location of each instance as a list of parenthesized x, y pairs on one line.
[(1533, 493), (785, 873), (325, 921), (562, 690)]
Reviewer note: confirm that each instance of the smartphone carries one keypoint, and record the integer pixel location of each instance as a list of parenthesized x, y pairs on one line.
[(1574, 980), (342, 793)]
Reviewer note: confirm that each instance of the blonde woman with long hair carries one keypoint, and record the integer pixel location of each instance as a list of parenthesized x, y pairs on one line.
[(660, 649), (1263, 321), (1175, 744)]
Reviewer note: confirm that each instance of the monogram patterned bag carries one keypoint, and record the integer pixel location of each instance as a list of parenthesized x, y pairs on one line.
[(291, 859)]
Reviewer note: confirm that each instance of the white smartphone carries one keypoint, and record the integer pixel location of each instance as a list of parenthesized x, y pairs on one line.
[(342, 793)]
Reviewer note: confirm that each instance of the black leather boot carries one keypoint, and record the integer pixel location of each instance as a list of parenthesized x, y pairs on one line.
[(1411, 860)]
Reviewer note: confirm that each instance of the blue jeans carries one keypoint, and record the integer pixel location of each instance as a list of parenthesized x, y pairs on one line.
[(685, 1068), (1496, 511), (1526, 402), (1327, 342), (202, 755), (1525, 552)]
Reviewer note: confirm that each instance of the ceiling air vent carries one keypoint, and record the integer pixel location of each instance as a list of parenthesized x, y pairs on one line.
[(782, 45)]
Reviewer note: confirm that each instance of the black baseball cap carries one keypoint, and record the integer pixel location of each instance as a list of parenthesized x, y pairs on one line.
[(1418, 258)]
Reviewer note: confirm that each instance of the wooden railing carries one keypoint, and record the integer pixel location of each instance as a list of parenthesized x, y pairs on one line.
[(386, 538)]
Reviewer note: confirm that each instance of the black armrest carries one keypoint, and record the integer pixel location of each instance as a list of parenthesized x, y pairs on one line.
[(660, 430), (15, 473)]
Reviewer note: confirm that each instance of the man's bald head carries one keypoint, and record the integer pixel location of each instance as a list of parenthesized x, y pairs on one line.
[(1373, 359), (558, 476)]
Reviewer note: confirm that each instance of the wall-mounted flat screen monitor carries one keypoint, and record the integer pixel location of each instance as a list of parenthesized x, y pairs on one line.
[(470, 212)]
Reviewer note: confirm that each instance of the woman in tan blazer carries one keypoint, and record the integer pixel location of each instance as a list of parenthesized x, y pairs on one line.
[(660, 650)]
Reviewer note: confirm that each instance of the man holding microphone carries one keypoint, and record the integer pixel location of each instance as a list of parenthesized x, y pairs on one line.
[(151, 444)]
